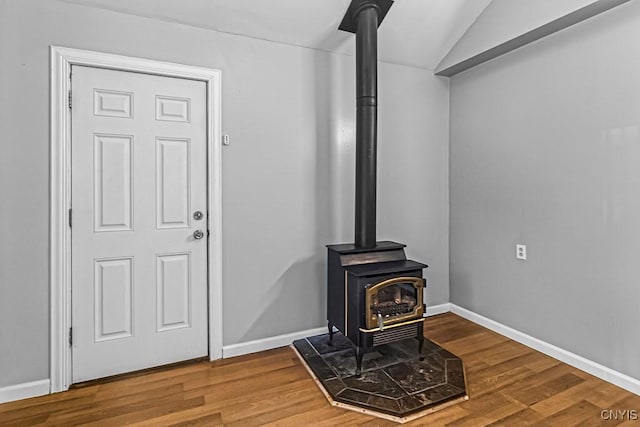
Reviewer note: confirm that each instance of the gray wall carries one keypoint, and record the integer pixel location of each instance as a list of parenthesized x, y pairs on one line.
[(545, 151), (287, 178)]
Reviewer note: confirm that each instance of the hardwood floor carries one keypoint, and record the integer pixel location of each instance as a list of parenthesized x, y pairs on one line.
[(508, 384)]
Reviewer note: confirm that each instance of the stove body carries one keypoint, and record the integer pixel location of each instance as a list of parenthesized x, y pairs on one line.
[(374, 296)]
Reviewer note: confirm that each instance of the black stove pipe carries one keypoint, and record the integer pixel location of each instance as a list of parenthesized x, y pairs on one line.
[(363, 18), (366, 20)]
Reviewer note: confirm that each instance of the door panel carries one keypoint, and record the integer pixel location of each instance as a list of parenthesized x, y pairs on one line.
[(112, 103), (139, 289), (173, 169), (173, 290), (112, 297), (173, 109), (112, 182)]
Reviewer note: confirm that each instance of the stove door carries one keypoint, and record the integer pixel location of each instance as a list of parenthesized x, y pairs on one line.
[(394, 300)]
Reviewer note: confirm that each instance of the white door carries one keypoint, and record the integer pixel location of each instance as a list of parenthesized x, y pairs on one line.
[(139, 273)]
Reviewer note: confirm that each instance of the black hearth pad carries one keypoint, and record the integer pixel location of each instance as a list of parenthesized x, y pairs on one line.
[(394, 381)]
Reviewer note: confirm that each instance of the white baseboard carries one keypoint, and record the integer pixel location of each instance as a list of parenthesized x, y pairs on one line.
[(433, 310), (607, 374), (268, 343), (24, 390)]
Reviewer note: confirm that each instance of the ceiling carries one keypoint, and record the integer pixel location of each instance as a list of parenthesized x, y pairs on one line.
[(417, 33)]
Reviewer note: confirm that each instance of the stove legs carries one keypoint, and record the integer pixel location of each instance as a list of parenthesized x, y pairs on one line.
[(359, 353), (364, 342), (330, 326)]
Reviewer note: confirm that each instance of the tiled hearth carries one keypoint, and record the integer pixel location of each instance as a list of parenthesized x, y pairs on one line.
[(394, 383)]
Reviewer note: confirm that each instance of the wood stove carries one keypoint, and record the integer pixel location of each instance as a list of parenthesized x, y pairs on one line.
[(375, 294)]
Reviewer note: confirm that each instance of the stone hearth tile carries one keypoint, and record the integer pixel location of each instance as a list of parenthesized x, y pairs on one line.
[(379, 357), (375, 382), (342, 362), (430, 347), (409, 404), (398, 352), (320, 368), (384, 404), (334, 386), (408, 349), (321, 343), (455, 373), (368, 400), (304, 348), (418, 376)]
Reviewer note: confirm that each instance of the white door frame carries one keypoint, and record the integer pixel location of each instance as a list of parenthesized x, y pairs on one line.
[(62, 59)]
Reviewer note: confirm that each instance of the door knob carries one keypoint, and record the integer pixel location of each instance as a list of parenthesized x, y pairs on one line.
[(198, 234)]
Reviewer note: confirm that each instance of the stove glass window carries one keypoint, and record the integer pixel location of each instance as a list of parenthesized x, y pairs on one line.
[(393, 300)]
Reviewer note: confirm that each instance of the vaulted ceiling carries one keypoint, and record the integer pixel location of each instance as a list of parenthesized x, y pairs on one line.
[(415, 32)]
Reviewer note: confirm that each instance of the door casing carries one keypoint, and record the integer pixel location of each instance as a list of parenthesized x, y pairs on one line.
[(61, 60)]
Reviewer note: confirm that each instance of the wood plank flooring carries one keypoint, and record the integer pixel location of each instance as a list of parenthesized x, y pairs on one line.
[(508, 384)]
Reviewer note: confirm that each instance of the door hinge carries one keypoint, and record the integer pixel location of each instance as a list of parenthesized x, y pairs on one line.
[(69, 99), (70, 337), (208, 233), (69, 218)]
